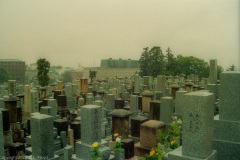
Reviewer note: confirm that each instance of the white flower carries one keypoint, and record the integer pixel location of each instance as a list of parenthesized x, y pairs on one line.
[(118, 139), (179, 121)]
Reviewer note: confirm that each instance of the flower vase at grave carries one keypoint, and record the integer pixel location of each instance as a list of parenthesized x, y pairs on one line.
[(119, 155)]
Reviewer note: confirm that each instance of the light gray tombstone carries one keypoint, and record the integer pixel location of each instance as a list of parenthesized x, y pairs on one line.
[(134, 105), (68, 91), (110, 102), (227, 123), (42, 136), (213, 89), (136, 83), (166, 110), (12, 87), (161, 80), (46, 110), (53, 104), (213, 71), (158, 95), (90, 130), (1, 137), (34, 100), (179, 103), (197, 128), (89, 98)]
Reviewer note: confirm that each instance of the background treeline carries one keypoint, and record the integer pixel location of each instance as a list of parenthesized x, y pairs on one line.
[(154, 62)]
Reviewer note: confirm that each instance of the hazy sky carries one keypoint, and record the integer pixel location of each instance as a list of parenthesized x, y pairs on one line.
[(68, 32)]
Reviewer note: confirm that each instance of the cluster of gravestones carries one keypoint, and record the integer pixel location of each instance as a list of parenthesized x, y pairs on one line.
[(63, 121)]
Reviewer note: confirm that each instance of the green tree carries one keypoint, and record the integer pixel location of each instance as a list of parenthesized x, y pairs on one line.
[(170, 63), (67, 77), (3, 75), (232, 68), (43, 67), (156, 62), (192, 65), (144, 62), (92, 74), (219, 71)]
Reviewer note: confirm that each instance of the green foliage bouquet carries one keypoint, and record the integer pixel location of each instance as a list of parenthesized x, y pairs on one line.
[(95, 151), (118, 144)]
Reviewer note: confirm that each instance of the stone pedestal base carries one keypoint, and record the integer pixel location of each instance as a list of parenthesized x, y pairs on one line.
[(140, 150), (83, 150), (177, 155)]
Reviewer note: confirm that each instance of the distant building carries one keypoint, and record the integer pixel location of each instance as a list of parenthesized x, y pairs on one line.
[(113, 68), (119, 63), (16, 69)]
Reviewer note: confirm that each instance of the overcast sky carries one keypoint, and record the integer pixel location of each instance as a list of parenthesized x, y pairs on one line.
[(68, 32)]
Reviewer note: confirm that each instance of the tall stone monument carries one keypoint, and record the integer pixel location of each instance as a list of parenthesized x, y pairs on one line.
[(90, 130), (213, 71), (42, 137), (197, 128), (227, 124)]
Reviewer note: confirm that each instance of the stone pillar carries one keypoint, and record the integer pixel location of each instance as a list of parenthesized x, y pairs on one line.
[(213, 71), (34, 101), (90, 130), (154, 110), (166, 110), (136, 83), (179, 103), (27, 102), (147, 97), (42, 137), (227, 124), (12, 87), (134, 104), (197, 128), (161, 84)]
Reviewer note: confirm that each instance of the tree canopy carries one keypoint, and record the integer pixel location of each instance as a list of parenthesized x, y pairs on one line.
[(43, 67), (3, 75), (92, 74), (67, 77), (153, 63), (232, 68)]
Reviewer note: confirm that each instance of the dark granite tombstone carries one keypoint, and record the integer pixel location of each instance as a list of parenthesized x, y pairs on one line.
[(11, 105), (62, 101), (135, 125), (5, 116), (19, 114), (175, 88), (140, 103), (128, 145), (15, 148), (154, 110), (56, 93), (61, 125), (119, 103), (76, 127)]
